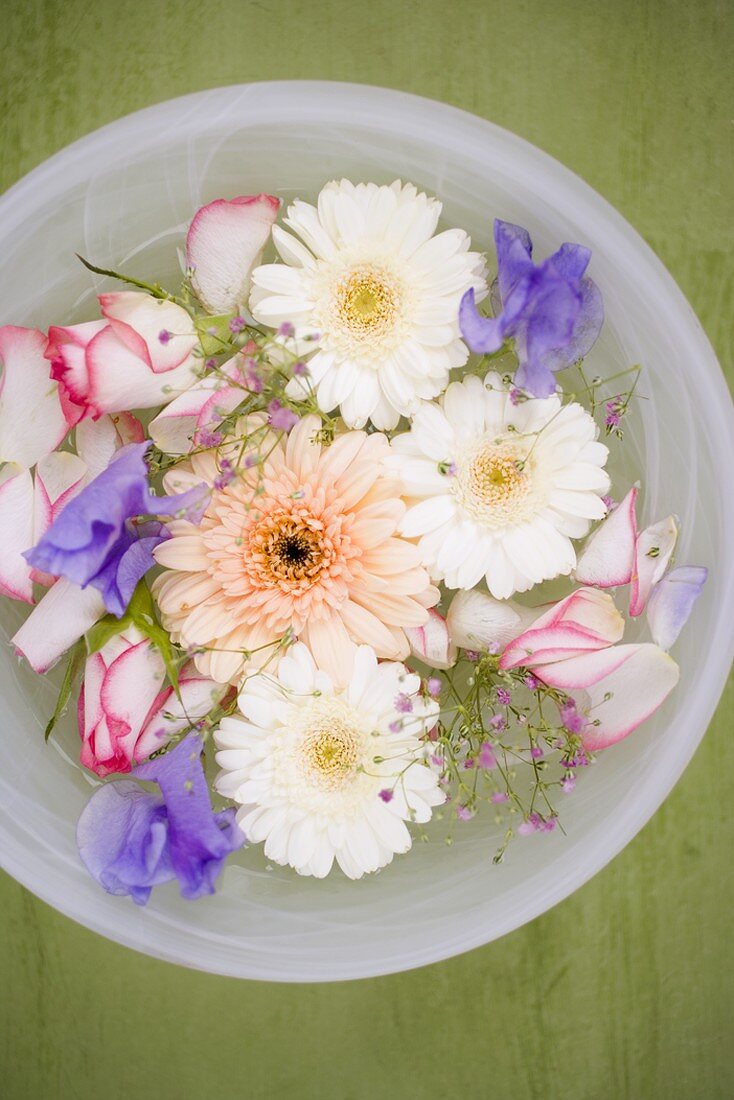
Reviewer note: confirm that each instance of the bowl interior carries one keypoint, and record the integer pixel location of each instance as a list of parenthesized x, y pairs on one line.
[(123, 197)]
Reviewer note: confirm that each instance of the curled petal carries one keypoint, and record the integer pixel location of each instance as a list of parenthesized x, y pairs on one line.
[(32, 422), (671, 602), (607, 559), (139, 320), (224, 243), (653, 551), (587, 620), (431, 642)]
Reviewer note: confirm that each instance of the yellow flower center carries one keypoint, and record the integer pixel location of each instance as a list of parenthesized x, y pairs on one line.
[(495, 484), (367, 302), (330, 754)]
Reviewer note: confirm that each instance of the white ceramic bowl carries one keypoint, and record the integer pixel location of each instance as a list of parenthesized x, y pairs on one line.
[(122, 196)]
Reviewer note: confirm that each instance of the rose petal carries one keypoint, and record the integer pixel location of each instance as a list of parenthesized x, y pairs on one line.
[(608, 557), (16, 533), (431, 642), (32, 422), (476, 620), (224, 242), (653, 551), (64, 614)]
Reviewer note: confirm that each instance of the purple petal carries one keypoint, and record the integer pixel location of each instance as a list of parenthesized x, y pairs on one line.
[(121, 837), (484, 335), (91, 536), (514, 256), (570, 261), (198, 840), (672, 601)]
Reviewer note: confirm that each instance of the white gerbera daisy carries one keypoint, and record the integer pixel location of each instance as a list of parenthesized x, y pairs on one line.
[(380, 290), (322, 774), (501, 488)]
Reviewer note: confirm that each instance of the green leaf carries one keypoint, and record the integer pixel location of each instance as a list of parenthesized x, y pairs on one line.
[(214, 333), (73, 667), (141, 612), (106, 628)]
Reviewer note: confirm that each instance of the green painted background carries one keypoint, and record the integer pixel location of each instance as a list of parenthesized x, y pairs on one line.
[(624, 990)]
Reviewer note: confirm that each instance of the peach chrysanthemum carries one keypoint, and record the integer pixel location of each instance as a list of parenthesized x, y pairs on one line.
[(308, 543)]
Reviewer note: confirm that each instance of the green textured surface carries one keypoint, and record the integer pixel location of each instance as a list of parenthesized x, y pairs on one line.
[(624, 990)]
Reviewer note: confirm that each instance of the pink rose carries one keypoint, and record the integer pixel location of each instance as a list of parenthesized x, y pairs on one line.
[(139, 356), (125, 712)]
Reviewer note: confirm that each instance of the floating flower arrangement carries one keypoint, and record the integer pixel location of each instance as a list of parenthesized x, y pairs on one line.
[(284, 532)]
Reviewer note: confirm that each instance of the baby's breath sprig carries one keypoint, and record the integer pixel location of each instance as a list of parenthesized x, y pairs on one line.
[(505, 738)]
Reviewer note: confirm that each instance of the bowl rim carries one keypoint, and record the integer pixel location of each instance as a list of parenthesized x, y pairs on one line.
[(286, 100)]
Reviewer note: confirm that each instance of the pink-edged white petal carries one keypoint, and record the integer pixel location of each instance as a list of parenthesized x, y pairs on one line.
[(16, 533), (608, 557), (623, 686), (156, 330), (32, 422), (629, 695), (63, 616), (97, 441), (225, 241), (59, 477), (203, 406), (587, 620), (120, 379), (476, 620), (671, 602), (653, 551), (431, 642)]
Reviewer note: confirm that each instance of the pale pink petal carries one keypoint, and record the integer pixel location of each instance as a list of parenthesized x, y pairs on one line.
[(59, 477), (173, 713), (653, 551), (64, 614), (431, 643), (16, 533), (203, 405), (671, 602), (585, 669), (629, 695), (608, 557), (153, 329), (32, 422), (224, 243)]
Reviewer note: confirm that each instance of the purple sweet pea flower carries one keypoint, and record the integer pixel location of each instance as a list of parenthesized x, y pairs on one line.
[(94, 541), (552, 312), (130, 839)]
